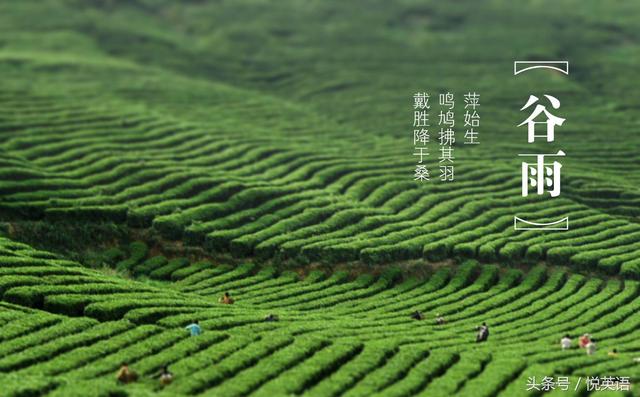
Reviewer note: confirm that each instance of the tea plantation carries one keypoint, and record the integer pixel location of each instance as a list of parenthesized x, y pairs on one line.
[(65, 329), (156, 154)]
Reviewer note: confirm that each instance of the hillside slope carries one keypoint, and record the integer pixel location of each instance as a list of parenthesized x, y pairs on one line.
[(235, 127)]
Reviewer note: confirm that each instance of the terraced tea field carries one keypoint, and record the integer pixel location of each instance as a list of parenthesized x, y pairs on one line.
[(155, 154), (65, 329), (113, 129)]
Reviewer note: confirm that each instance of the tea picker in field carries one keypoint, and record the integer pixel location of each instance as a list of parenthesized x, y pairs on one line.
[(613, 353), (417, 315), (271, 318), (439, 319), (164, 376), (226, 299), (125, 375), (194, 328), (483, 333), (565, 342), (584, 340), (591, 347)]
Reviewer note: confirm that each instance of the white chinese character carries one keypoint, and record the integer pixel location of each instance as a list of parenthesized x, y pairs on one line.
[(446, 154), (421, 100), (541, 175), (447, 100), (551, 120), (471, 100), (593, 383), (471, 137), (547, 384), (624, 383), (447, 137), (531, 384), (447, 118), (446, 173), (421, 173), (421, 118), (421, 151), (471, 119), (562, 382), (420, 136), (608, 383)]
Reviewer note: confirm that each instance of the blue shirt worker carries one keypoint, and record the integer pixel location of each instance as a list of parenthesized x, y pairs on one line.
[(194, 328)]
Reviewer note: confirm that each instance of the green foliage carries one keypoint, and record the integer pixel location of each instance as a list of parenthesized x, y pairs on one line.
[(279, 132), (335, 334), (137, 252)]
